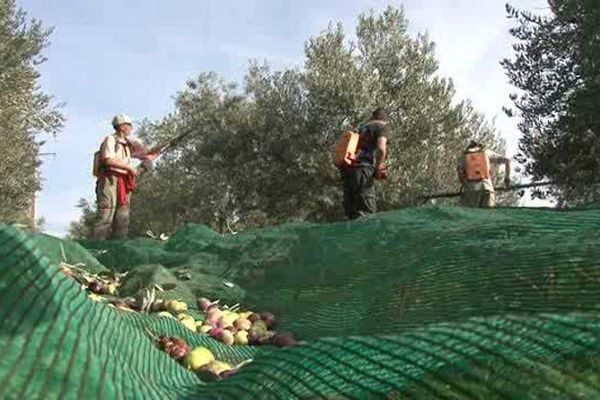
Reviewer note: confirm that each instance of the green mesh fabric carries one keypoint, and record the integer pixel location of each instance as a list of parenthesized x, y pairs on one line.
[(73, 253), (429, 303), (127, 254)]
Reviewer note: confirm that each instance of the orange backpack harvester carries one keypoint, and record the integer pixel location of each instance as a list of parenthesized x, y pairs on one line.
[(477, 166), (346, 149)]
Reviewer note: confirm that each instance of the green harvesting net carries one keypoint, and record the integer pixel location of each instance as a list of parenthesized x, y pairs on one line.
[(429, 303)]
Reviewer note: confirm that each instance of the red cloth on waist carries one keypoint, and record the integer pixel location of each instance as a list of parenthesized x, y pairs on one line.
[(125, 185)]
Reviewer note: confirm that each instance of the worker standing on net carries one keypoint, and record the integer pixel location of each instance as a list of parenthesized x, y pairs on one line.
[(358, 179), (475, 175), (116, 179)]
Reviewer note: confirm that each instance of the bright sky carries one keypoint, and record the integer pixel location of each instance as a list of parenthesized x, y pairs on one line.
[(132, 56)]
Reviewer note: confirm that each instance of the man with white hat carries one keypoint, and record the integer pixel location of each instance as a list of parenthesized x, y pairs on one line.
[(475, 175), (116, 178)]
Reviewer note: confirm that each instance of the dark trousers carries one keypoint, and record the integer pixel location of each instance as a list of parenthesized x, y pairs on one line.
[(359, 192)]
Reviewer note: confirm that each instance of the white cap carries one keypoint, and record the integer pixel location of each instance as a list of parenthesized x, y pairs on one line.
[(121, 119)]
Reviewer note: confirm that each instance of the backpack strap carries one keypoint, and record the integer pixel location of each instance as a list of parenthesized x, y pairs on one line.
[(127, 145)]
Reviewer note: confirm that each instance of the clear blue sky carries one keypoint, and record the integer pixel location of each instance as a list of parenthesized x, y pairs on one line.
[(132, 56)]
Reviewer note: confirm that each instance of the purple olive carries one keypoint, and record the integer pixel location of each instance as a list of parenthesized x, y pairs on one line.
[(284, 339), (269, 319)]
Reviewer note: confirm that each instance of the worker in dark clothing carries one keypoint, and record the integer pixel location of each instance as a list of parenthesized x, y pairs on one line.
[(358, 179)]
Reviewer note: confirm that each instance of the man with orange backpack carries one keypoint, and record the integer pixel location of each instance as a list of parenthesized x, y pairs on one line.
[(116, 178), (363, 167), (475, 174)]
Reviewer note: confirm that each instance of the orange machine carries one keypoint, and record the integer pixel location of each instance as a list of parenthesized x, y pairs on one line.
[(346, 149), (477, 166)]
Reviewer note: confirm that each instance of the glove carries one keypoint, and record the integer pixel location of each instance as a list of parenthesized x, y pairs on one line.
[(381, 173)]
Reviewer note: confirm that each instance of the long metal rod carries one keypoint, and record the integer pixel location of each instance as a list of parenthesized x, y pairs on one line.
[(498, 189)]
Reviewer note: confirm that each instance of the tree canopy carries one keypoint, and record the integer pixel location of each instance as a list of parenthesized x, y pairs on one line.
[(557, 72), (260, 150), (25, 110)]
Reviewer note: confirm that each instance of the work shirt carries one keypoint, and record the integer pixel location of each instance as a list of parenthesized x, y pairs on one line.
[(370, 133), (120, 149)]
